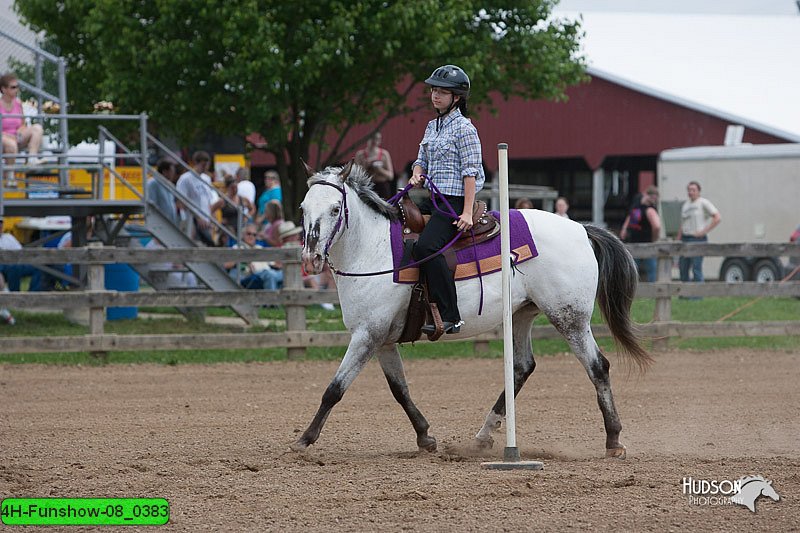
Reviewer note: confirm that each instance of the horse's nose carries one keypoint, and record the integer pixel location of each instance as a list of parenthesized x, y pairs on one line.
[(312, 262)]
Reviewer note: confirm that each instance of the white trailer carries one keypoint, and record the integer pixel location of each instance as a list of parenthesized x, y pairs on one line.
[(756, 189)]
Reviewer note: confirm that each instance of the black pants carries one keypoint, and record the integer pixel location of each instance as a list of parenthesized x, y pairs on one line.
[(437, 233)]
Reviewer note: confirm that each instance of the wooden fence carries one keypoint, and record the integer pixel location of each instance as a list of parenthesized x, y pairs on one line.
[(294, 298)]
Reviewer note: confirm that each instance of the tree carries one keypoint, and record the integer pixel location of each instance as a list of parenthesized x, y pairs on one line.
[(294, 71)]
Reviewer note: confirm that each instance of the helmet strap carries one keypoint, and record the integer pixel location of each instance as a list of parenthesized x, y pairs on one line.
[(441, 114)]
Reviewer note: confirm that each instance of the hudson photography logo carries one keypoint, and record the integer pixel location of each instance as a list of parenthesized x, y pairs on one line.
[(717, 492)]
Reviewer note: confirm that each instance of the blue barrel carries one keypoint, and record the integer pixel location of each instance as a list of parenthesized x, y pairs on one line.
[(121, 277)]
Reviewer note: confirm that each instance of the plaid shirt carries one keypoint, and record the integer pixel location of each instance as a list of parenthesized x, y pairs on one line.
[(450, 154)]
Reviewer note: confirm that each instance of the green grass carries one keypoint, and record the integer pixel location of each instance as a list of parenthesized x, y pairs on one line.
[(54, 324)]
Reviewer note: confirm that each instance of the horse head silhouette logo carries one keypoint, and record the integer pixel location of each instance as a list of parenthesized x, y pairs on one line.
[(751, 488)]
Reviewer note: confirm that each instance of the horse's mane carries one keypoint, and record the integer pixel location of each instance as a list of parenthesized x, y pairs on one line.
[(361, 183)]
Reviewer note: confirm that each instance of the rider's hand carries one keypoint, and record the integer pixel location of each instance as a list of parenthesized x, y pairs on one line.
[(464, 222), (416, 179)]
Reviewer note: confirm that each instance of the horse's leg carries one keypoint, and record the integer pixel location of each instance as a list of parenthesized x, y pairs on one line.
[(524, 365), (392, 365), (577, 331), (356, 357)]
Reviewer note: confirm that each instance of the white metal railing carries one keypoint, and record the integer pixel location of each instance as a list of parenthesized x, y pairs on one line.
[(94, 164)]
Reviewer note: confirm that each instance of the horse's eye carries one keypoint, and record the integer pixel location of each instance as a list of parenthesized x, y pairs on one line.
[(335, 210)]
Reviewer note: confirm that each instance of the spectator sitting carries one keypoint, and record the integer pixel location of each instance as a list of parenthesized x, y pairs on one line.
[(523, 203), (13, 274), (273, 218), (256, 274), (5, 315), (16, 133), (290, 235)]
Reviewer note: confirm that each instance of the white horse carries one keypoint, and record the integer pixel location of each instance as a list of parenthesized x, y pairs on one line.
[(345, 222)]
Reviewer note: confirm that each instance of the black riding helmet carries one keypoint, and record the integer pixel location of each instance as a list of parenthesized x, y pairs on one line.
[(454, 79), (450, 77)]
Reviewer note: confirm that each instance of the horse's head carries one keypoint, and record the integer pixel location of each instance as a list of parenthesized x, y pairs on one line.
[(768, 491), (327, 213)]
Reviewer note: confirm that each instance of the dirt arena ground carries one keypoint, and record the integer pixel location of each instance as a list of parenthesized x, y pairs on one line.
[(214, 441)]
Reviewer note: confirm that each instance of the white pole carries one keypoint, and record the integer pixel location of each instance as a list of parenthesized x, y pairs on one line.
[(511, 458), (508, 343)]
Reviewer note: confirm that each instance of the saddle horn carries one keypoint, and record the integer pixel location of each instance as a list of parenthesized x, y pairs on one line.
[(346, 170), (309, 171)]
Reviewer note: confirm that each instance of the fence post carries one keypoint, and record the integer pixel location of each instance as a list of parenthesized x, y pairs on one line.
[(97, 283), (295, 314), (663, 308), (480, 348)]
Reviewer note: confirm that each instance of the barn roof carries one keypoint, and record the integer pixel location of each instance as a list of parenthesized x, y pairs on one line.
[(738, 67), (742, 151)]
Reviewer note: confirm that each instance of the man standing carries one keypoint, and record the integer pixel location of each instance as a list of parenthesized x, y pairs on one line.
[(196, 186), (698, 218), (245, 188), (643, 225), (272, 191), (159, 195)]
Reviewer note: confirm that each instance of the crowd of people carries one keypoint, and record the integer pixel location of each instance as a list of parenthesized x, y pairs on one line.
[(258, 221)]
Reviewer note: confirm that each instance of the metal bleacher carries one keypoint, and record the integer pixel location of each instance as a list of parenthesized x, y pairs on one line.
[(119, 209)]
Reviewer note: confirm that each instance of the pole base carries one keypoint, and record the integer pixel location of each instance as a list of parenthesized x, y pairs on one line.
[(511, 461)]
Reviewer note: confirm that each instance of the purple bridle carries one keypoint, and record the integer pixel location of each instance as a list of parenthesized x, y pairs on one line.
[(344, 214)]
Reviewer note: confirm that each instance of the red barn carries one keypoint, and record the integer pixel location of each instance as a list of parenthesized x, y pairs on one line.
[(598, 149)]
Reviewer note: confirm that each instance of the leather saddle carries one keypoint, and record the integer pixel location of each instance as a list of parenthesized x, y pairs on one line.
[(485, 225), (420, 310)]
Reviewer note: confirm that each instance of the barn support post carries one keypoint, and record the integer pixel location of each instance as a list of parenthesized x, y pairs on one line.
[(295, 314), (598, 197), (480, 347)]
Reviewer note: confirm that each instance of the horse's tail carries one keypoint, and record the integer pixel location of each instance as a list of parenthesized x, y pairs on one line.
[(616, 287)]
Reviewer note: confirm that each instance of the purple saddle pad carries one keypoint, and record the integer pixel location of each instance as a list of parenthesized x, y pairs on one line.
[(473, 261)]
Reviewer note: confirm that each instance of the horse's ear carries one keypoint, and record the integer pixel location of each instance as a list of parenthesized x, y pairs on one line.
[(309, 171), (346, 170)]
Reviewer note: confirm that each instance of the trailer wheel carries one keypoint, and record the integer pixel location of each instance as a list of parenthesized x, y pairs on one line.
[(734, 270), (766, 271)]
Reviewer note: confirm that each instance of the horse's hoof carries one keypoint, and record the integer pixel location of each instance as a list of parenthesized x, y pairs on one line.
[(427, 444), (616, 453), (298, 446), (484, 444)]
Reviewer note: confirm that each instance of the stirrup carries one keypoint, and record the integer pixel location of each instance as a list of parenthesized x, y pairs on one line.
[(448, 327)]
